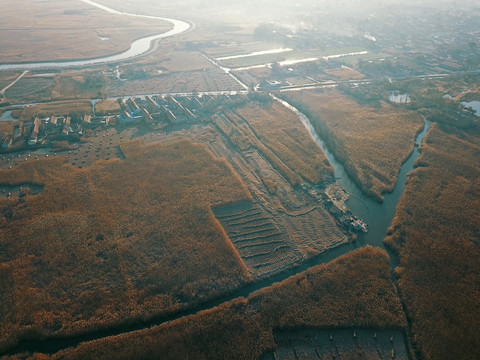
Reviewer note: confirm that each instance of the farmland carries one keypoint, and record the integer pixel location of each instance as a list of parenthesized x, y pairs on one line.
[(435, 234), (372, 143)]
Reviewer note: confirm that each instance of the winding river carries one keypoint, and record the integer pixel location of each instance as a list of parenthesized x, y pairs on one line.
[(137, 47)]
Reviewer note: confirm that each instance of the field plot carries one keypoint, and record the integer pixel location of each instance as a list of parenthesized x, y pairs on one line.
[(313, 231), (252, 60), (345, 344), (260, 242), (7, 77), (76, 30), (173, 60), (64, 85), (147, 216), (181, 82), (344, 73), (109, 106), (31, 89), (372, 143)]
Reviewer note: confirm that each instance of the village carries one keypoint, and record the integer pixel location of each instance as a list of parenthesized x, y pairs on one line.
[(154, 112)]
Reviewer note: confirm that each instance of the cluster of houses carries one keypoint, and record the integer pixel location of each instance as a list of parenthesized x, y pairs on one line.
[(49, 126), (56, 127), (168, 109), (159, 109)]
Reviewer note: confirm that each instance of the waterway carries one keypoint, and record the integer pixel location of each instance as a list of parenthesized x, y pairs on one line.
[(137, 47), (378, 216)]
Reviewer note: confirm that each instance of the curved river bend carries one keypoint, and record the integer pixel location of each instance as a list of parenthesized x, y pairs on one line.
[(378, 216), (138, 47)]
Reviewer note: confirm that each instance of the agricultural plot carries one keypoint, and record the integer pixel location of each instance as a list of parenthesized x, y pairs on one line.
[(31, 89), (252, 60), (193, 81), (340, 344), (263, 246), (313, 231)]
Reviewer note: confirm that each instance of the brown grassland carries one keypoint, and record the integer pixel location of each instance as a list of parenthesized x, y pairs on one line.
[(354, 290), (6, 128), (372, 143), (118, 242), (437, 236), (45, 31)]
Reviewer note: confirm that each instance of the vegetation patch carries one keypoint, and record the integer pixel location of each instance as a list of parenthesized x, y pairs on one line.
[(436, 234), (122, 241), (72, 108), (282, 132), (372, 143), (352, 291)]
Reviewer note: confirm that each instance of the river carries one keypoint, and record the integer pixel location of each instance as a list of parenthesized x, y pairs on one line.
[(137, 47), (378, 216)]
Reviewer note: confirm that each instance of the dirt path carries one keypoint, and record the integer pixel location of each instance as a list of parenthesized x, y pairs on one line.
[(2, 92)]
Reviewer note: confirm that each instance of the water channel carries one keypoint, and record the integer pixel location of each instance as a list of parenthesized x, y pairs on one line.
[(378, 216)]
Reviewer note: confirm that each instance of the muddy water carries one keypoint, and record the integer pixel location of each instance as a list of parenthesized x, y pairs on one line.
[(378, 216)]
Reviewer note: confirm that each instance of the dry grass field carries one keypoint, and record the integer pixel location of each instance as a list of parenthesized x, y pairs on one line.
[(344, 73), (45, 31), (109, 106), (123, 240), (352, 291), (372, 143), (169, 58), (57, 108), (437, 237)]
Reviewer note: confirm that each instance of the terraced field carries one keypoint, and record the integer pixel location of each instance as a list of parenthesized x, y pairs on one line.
[(263, 246), (313, 231)]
